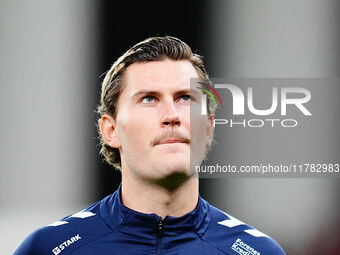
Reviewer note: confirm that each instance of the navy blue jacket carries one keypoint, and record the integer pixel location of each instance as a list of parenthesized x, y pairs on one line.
[(108, 227)]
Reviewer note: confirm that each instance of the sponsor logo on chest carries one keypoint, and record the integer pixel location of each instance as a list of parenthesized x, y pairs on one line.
[(65, 244), (244, 249)]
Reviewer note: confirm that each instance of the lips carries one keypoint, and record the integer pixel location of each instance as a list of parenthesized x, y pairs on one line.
[(171, 141)]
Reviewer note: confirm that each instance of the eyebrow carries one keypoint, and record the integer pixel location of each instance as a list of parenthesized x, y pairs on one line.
[(157, 93), (145, 92)]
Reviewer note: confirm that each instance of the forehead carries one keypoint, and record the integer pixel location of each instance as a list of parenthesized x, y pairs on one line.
[(164, 74)]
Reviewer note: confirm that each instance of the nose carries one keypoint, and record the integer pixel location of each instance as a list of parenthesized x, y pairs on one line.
[(170, 116)]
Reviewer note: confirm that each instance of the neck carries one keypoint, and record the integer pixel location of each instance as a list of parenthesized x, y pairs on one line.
[(146, 197)]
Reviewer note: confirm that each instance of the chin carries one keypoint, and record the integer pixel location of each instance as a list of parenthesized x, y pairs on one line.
[(173, 176), (168, 173), (176, 165)]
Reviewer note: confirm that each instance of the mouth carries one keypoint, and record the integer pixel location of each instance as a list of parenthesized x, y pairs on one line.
[(172, 141)]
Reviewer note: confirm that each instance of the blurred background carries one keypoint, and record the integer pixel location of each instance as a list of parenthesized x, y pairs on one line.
[(53, 55)]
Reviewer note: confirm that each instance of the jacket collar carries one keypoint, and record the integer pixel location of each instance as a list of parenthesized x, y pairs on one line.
[(116, 215)]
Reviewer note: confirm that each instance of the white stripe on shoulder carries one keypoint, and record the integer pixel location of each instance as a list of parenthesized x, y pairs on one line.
[(255, 232), (57, 223), (82, 215), (231, 222)]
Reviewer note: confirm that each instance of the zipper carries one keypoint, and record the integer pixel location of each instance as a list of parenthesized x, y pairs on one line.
[(159, 236)]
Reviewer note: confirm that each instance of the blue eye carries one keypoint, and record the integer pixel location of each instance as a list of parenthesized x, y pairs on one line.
[(148, 99), (185, 97)]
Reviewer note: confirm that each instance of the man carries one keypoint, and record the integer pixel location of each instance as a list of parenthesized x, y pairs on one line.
[(152, 130)]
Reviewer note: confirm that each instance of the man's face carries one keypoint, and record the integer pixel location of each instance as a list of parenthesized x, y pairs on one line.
[(153, 120)]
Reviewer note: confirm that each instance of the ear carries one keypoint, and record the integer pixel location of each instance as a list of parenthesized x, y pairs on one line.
[(210, 129), (109, 131)]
